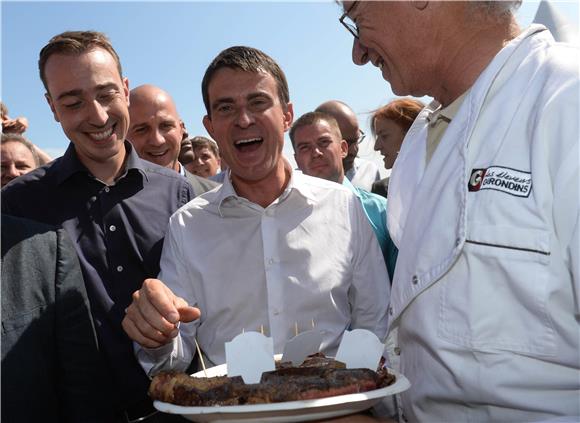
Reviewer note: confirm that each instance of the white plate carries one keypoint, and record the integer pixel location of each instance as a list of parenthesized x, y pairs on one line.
[(290, 411)]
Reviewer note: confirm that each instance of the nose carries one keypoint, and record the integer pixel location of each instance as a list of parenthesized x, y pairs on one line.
[(316, 152), (156, 139), (244, 118), (360, 54), (98, 114), (378, 144)]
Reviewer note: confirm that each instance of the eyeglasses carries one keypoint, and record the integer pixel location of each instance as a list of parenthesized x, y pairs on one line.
[(348, 23), (361, 137)]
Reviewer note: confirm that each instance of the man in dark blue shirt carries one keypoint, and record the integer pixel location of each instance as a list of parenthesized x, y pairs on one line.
[(114, 205)]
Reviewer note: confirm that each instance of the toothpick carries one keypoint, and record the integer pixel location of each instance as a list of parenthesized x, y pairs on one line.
[(200, 356), (262, 329), (295, 328)]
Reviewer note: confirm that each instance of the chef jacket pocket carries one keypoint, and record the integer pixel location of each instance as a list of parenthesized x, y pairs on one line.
[(495, 297)]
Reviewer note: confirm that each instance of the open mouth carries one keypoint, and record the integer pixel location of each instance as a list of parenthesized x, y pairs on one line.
[(249, 144), (157, 153)]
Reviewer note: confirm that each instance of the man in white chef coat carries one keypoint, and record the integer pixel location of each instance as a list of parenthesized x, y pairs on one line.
[(484, 208)]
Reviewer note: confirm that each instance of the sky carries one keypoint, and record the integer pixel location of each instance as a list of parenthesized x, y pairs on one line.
[(170, 44)]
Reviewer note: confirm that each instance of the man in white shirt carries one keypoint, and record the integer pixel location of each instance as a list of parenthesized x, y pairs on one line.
[(360, 172), (484, 207), (272, 248), (156, 132)]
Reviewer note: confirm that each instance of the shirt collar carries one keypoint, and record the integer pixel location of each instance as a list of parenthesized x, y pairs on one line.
[(71, 165), (446, 114), (350, 186), (227, 193)]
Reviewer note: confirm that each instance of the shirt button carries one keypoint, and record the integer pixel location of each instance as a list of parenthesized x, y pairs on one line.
[(112, 228), (415, 280), (390, 310), (397, 351), (107, 189), (119, 268)]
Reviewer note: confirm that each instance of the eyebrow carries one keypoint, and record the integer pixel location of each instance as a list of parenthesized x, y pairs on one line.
[(78, 92)]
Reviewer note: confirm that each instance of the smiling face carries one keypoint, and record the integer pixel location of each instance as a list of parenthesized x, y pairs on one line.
[(389, 137), (248, 122), (205, 163), (16, 159), (319, 150), (394, 38), (89, 98), (156, 129)]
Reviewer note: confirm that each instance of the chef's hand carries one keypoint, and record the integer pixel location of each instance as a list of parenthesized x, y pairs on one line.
[(151, 319)]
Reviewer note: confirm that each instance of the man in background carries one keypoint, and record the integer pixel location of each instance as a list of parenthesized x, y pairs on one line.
[(206, 157), (319, 151), (362, 173), (156, 132), (17, 157)]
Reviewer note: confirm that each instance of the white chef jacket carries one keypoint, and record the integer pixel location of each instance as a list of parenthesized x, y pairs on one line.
[(363, 174), (311, 256), (484, 307)]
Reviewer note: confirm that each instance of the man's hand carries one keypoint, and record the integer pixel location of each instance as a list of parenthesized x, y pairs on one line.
[(15, 126), (151, 319)]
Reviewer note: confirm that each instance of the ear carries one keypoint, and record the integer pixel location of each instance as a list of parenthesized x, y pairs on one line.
[(420, 5), (126, 89), (208, 125), (51, 105), (288, 116), (343, 149)]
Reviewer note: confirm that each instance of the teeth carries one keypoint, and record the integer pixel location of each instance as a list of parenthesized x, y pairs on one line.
[(158, 154), (381, 65), (102, 135), (247, 141)]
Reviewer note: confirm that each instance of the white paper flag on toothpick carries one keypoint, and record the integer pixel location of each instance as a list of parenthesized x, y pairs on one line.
[(360, 349), (301, 346), (249, 355)]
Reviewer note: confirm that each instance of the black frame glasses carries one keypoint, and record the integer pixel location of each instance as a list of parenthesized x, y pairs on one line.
[(349, 24), (360, 138)]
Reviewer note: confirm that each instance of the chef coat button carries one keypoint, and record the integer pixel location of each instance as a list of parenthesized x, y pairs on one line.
[(397, 351), (107, 189), (119, 268), (415, 280), (112, 228), (404, 418), (271, 261), (457, 242), (390, 310)]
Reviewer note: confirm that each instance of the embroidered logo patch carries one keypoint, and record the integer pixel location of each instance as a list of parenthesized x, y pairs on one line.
[(504, 179)]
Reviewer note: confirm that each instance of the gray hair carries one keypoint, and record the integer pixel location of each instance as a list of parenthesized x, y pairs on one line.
[(495, 8), (11, 137)]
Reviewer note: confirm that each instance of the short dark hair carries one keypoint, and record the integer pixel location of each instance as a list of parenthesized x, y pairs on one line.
[(246, 59), (75, 43), (200, 142), (11, 137), (311, 118)]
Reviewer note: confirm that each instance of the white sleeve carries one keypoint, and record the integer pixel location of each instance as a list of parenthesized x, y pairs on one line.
[(178, 354)]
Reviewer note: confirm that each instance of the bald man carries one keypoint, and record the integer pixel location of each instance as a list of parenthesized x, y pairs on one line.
[(361, 173), (156, 131)]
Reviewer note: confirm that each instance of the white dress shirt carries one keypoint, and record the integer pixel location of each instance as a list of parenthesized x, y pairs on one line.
[(363, 173), (311, 256)]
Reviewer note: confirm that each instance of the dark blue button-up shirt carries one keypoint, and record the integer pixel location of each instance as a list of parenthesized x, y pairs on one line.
[(118, 233)]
